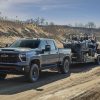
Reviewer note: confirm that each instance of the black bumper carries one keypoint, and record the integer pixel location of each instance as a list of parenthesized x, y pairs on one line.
[(14, 69)]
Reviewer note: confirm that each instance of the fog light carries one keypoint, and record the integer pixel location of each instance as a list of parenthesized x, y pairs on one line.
[(23, 69)]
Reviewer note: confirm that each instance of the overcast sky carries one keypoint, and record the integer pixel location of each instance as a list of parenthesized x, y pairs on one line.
[(58, 11)]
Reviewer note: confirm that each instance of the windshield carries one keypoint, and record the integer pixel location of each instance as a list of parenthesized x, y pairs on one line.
[(26, 44)]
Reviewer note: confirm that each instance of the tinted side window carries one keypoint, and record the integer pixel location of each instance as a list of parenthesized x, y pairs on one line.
[(42, 44), (26, 44), (51, 43)]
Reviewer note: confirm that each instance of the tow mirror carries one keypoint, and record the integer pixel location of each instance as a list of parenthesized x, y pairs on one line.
[(7, 45), (47, 48)]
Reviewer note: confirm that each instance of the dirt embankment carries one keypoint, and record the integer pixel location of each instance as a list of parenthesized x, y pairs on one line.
[(82, 84)]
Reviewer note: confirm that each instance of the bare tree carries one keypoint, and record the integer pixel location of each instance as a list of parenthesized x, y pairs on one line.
[(42, 20), (37, 21), (70, 25), (0, 13), (81, 25), (46, 23), (91, 25), (51, 23)]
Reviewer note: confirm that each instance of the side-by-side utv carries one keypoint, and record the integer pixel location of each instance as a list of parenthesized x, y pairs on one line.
[(84, 49)]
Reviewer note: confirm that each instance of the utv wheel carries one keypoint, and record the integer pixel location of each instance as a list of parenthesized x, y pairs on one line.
[(3, 76), (33, 75), (65, 68)]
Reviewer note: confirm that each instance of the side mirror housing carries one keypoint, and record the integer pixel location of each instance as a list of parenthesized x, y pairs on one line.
[(7, 45), (47, 48)]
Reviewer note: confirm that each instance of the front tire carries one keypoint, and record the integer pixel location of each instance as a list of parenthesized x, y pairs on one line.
[(3, 76), (64, 69), (33, 74)]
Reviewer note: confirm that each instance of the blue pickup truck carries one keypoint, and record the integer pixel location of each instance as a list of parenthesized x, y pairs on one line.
[(30, 56)]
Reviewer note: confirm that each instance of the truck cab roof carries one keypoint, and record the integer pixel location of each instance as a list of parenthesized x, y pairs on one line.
[(36, 39)]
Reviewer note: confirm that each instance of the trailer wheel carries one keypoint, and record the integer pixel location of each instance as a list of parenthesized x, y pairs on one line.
[(64, 69), (98, 60), (33, 74), (3, 76)]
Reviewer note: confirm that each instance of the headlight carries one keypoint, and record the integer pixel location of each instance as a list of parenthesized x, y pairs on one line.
[(22, 57)]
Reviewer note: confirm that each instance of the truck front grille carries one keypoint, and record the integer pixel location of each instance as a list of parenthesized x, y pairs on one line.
[(8, 58)]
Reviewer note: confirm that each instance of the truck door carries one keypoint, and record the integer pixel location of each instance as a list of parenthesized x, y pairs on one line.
[(43, 54), (53, 55)]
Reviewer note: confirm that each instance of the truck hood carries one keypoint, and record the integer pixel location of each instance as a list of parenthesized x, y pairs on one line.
[(17, 49)]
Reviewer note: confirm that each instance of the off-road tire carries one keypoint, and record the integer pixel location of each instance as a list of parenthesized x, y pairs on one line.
[(33, 74), (64, 69)]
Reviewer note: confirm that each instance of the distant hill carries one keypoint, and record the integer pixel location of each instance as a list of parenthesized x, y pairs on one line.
[(11, 30), (63, 30)]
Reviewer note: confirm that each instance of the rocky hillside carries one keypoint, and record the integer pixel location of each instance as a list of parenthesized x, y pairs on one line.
[(64, 31), (11, 30)]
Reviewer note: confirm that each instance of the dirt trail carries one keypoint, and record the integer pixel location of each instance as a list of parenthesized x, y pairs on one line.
[(82, 84)]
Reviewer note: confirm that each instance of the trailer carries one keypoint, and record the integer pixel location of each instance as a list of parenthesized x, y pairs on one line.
[(84, 49)]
